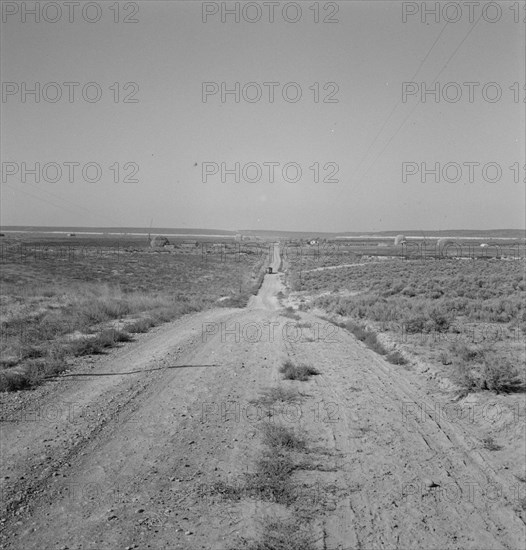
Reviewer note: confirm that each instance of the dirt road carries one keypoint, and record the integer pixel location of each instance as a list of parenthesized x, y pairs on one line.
[(115, 453)]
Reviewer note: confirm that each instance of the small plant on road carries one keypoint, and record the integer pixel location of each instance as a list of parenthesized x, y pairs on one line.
[(490, 445), (290, 313), (270, 396), (396, 358), (281, 535), (279, 436), (300, 372)]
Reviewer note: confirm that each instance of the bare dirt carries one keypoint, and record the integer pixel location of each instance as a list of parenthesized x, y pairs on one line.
[(115, 453)]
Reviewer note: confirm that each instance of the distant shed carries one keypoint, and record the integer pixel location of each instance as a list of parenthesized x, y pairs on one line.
[(159, 241)]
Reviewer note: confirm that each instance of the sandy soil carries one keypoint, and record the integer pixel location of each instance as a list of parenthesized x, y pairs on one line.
[(115, 453)]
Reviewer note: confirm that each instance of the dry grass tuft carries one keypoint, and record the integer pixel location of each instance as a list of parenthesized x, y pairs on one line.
[(300, 372), (281, 535)]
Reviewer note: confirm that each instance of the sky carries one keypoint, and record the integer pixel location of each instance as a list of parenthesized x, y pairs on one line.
[(161, 144)]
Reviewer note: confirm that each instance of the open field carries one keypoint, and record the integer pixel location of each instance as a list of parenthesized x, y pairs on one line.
[(450, 308), (331, 431), (305, 254), (64, 298)]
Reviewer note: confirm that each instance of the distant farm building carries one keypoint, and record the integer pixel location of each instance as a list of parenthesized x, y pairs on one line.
[(159, 241), (72, 235)]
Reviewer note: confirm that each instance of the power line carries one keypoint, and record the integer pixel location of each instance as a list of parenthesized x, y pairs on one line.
[(53, 195), (40, 198), (400, 101), (420, 101)]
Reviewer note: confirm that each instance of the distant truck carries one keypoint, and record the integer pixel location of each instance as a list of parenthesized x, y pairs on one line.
[(269, 270)]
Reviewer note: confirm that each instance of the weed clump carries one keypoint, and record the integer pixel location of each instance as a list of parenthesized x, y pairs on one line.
[(300, 372), (368, 337), (271, 396), (477, 369), (490, 444), (94, 346), (396, 358), (290, 313), (281, 535), (282, 437), (141, 325)]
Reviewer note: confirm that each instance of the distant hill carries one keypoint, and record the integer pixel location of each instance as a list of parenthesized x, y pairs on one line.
[(275, 234), (145, 230), (488, 233), (460, 233), (287, 234)]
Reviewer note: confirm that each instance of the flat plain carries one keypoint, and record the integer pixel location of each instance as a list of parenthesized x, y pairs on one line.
[(181, 397)]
